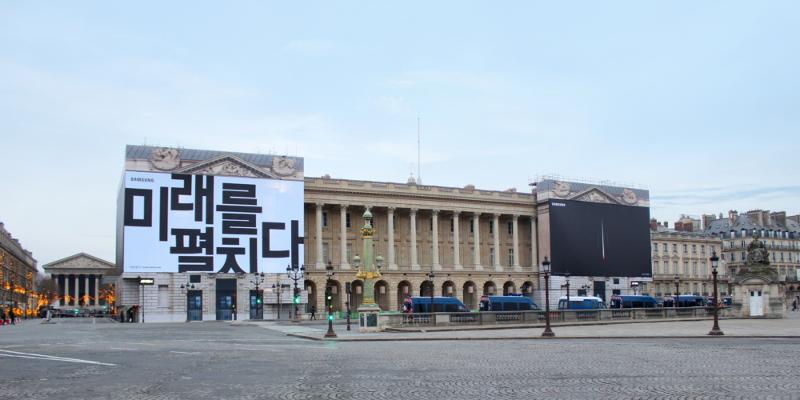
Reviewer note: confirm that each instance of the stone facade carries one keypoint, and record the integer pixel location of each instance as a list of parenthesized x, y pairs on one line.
[(685, 255), (79, 280), (17, 275)]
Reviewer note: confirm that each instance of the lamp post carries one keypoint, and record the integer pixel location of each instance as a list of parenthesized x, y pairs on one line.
[(546, 269), (185, 289), (329, 300), (715, 331), (431, 275), (566, 276), (277, 289), (635, 287), (258, 279), (677, 290), (295, 273)]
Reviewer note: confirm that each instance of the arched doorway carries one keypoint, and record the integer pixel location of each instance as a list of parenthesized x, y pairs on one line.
[(403, 291), (334, 288), (425, 288), (449, 289), (356, 294), (527, 289), (489, 288), (470, 295), (311, 289), (382, 295), (509, 288)]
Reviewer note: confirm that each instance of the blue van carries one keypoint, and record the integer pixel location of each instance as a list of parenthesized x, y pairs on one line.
[(633, 302), (422, 304), (580, 303), (507, 303), (687, 300)]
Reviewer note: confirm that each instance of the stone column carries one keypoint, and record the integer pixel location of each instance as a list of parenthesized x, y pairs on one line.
[(97, 290), (534, 244), (476, 238), (320, 264), (77, 290), (515, 227), (414, 261), (59, 289), (86, 287), (496, 243), (435, 241), (344, 263), (66, 289), (456, 243), (390, 248)]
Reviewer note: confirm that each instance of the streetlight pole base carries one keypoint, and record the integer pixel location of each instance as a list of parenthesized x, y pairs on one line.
[(330, 334), (716, 333), (548, 333)]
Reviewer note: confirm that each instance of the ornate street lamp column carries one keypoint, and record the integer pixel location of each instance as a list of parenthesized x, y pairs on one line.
[(329, 300), (677, 291), (368, 273), (546, 269), (715, 331)]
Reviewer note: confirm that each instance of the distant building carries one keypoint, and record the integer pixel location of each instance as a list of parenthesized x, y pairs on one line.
[(17, 274)]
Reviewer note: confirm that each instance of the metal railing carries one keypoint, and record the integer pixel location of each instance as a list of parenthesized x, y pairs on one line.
[(394, 320)]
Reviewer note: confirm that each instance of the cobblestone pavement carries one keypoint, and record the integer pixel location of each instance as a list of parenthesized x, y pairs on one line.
[(218, 360)]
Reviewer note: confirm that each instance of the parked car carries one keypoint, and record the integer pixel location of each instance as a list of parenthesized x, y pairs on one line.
[(507, 303)]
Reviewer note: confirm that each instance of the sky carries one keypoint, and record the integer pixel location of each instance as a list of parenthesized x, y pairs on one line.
[(696, 101)]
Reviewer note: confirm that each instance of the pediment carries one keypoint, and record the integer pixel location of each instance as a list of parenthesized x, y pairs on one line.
[(227, 165), (80, 261), (595, 195)]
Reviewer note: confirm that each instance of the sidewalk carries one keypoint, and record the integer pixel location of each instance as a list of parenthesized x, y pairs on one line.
[(733, 328)]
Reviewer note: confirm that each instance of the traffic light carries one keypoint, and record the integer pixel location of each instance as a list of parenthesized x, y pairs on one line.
[(296, 298), (258, 300), (330, 316)]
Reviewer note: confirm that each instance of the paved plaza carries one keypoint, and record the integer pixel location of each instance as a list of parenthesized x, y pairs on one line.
[(214, 360)]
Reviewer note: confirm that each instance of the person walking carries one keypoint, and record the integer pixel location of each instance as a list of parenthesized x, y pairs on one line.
[(2, 316), (313, 313), (11, 315), (794, 305)]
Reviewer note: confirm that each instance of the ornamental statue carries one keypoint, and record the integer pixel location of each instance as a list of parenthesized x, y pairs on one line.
[(757, 252)]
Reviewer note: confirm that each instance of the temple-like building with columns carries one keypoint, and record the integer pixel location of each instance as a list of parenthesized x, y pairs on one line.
[(79, 279)]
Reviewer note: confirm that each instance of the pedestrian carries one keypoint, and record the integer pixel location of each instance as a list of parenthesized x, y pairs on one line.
[(313, 313), (794, 305), (11, 315), (2, 316)]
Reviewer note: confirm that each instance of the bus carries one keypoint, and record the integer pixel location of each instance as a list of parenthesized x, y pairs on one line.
[(507, 303), (627, 301), (581, 303), (422, 304)]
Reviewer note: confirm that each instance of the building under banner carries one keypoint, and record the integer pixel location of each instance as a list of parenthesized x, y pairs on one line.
[(596, 236), (201, 235)]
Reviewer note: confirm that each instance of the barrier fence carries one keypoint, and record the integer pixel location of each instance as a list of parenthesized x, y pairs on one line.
[(536, 317)]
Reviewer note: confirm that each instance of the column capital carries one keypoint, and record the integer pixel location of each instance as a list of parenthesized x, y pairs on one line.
[(391, 209), (515, 216), (319, 204), (413, 211), (496, 215), (435, 211), (456, 212), (476, 214), (343, 206)]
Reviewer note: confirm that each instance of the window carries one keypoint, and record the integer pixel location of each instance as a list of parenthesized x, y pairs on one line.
[(510, 227), (694, 249), (674, 248), (685, 249), (194, 278), (655, 247), (616, 281), (472, 255), (686, 268), (472, 226), (430, 224), (325, 253), (347, 220), (163, 296), (451, 225), (510, 256), (675, 267), (694, 268), (491, 256), (616, 292), (656, 267), (491, 226), (703, 269), (349, 255), (703, 249), (325, 219), (664, 247), (744, 256)]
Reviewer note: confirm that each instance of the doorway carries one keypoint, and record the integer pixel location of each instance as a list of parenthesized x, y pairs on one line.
[(600, 290), (194, 305), (256, 304), (756, 304), (226, 299)]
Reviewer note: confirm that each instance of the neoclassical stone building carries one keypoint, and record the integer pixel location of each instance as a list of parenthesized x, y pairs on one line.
[(17, 274), (474, 241), (685, 255)]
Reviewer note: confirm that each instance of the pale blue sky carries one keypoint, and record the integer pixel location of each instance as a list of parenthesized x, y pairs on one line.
[(696, 101)]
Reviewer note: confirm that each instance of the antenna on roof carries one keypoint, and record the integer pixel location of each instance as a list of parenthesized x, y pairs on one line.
[(419, 164)]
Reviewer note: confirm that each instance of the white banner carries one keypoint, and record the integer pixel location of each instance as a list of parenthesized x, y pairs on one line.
[(202, 223)]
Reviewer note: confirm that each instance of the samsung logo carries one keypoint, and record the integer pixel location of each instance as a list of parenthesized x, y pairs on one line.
[(559, 204), (135, 179)]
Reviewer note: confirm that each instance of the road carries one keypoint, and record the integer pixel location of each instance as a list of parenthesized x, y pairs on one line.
[(210, 360)]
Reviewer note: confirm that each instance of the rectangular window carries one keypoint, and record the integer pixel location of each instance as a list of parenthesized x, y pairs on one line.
[(394, 225), (686, 268), (491, 226), (325, 219), (694, 268), (703, 249), (325, 253), (616, 281), (664, 247), (347, 220), (472, 226), (674, 248), (510, 227), (163, 296), (694, 249), (451, 225), (656, 267), (674, 267), (194, 278), (430, 224), (685, 249), (510, 257), (349, 255)]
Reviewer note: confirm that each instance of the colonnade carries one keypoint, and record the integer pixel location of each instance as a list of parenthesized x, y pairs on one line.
[(414, 263), (76, 286)]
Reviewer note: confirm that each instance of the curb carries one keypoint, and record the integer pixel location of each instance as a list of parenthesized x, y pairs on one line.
[(651, 337)]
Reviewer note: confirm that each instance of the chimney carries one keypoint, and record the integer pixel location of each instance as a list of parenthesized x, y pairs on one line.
[(732, 216), (779, 218), (666, 224), (707, 220), (653, 224)]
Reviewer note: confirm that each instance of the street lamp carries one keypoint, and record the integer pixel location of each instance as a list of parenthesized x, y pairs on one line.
[(546, 269), (185, 289), (295, 273), (277, 289), (431, 275), (677, 290), (258, 279), (329, 300), (635, 286), (715, 331), (566, 276)]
